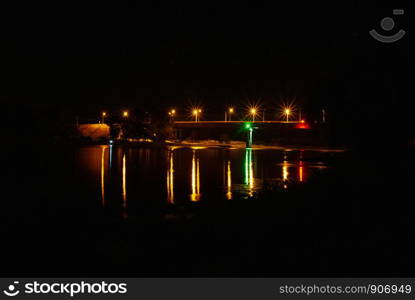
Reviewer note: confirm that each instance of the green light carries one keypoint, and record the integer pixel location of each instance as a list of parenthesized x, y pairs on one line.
[(248, 125)]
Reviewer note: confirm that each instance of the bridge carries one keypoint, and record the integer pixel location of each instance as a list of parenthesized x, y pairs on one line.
[(267, 132), (203, 123)]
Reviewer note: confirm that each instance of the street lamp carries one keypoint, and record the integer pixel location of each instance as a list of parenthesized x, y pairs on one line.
[(172, 113), (103, 115), (253, 112), (231, 111), (125, 114), (287, 112), (196, 113)]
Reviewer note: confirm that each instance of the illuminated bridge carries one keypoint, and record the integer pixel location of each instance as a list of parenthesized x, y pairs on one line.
[(230, 123), (268, 132)]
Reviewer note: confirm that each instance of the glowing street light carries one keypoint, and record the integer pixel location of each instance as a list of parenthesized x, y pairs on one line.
[(228, 114), (103, 115), (287, 112), (196, 112), (125, 114), (231, 111), (253, 111), (172, 113)]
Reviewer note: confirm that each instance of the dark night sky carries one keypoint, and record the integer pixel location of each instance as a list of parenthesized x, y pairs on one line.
[(79, 57)]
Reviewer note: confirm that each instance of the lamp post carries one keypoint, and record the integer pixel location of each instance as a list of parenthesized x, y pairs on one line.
[(103, 115), (231, 111), (287, 113), (172, 113), (196, 113), (124, 133), (253, 112)]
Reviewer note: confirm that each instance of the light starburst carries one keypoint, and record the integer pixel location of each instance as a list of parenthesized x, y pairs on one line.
[(288, 110)]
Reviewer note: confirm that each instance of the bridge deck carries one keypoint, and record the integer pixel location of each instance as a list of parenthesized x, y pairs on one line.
[(236, 122)]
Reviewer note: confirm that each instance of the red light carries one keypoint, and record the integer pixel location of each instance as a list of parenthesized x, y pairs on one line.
[(302, 125)]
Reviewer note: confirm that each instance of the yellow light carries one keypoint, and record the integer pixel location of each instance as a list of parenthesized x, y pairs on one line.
[(195, 112), (125, 114), (288, 111), (253, 111), (173, 111), (200, 110), (231, 110), (104, 114), (124, 186)]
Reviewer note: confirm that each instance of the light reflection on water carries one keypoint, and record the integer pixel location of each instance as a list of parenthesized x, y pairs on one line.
[(103, 174), (301, 171), (179, 175), (249, 172), (195, 196), (170, 178), (229, 181), (124, 185)]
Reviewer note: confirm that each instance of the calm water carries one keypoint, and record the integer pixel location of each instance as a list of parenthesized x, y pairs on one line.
[(128, 178), (160, 212)]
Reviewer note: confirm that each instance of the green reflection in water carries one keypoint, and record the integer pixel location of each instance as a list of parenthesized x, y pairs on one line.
[(249, 171)]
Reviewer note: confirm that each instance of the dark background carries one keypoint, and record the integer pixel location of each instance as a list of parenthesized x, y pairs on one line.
[(67, 59), (64, 61)]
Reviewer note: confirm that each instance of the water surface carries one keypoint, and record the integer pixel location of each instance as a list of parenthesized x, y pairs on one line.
[(128, 178)]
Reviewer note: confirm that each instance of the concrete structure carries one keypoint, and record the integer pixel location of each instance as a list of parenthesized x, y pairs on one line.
[(264, 132)]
